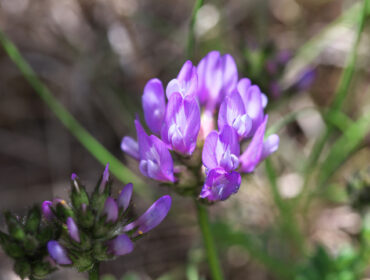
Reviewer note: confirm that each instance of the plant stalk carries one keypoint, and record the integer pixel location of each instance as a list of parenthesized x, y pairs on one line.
[(209, 244), (94, 272)]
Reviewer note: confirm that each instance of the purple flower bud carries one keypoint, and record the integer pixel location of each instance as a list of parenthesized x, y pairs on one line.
[(104, 179), (155, 159), (46, 211), (217, 77), (232, 113), (220, 184), (182, 124), (73, 229), (130, 147), (253, 102), (221, 149), (74, 176), (58, 253), (154, 105), (258, 149), (186, 83), (306, 79), (121, 245), (125, 197), (152, 217), (110, 210)]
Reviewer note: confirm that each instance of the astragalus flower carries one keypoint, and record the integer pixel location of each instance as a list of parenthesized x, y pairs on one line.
[(186, 124)]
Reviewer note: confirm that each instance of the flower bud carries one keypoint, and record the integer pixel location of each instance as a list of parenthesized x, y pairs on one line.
[(46, 211), (110, 210), (33, 220), (121, 245), (14, 227), (73, 230), (58, 253), (125, 197), (104, 179)]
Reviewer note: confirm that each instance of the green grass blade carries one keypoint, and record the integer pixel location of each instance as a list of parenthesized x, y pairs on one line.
[(191, 35), (75, 128), (344, 147)]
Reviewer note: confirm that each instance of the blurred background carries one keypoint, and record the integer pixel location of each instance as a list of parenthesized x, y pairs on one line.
[(96, 56)]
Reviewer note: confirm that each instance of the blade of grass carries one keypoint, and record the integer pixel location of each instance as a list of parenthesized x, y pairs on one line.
[(75, 128), (343, 148), (191, 34)]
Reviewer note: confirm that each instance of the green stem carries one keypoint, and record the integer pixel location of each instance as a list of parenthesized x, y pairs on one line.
[(191, 35), (94, 272), (75, 128), (209, 243)]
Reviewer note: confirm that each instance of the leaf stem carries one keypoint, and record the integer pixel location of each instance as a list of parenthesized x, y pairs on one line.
[(191, 34), (209, 243)]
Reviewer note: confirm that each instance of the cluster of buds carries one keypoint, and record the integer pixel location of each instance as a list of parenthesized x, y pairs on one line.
[(26, 243), (97, 227), (185, 140), (266, 65)]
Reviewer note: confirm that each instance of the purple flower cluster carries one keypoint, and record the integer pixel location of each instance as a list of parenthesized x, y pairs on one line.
[(186, 121)]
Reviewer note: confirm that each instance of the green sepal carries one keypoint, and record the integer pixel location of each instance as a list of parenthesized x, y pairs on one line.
[(14, 226), (13, 249), (78, 195), (82, 262), (41, 269), (22, 268), (100, 252), (63, 211), (30, 245), (33, 220), (85, 219)]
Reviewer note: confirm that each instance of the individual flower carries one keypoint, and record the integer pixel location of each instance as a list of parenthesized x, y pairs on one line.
[(253, 102), (217, 77), (110, 210), (154, 105), (221, 150), (258, 149), (186, 82), (124, 197), (121, 245), (155, 159), (182, 124), (232, 113), (220, 184)]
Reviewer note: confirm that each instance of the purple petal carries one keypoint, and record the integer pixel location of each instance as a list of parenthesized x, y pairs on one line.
[(265, 100), (252, 155), (182, 124), (220, 185), (110, 210), (73, 229), (58, 253), (232, 113), (130, 147), (121, 245), (186, 83), (125, 197), (152, 217), (46, 211), (217, 77), (306, 79), (104, 179), (270, 145), (209, 150), (154, 105), (74, 176)]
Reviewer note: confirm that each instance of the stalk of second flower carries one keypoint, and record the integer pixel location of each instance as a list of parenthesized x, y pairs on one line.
[(209, 244)]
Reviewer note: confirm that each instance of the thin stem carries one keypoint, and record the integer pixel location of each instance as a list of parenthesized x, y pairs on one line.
[(209, 243), (94, 272), (191, 34), (75, 128)]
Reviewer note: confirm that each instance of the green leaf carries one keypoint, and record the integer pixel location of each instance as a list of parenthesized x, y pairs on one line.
[(344, 147)]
